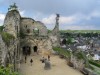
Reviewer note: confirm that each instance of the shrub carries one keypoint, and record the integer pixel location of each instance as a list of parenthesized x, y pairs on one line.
[(79, 55), (7, 71)]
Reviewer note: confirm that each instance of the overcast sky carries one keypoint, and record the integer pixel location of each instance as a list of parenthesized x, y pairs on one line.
[(74, 14)]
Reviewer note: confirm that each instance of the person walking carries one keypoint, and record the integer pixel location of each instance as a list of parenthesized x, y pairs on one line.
[(25, 59), (31, 61)]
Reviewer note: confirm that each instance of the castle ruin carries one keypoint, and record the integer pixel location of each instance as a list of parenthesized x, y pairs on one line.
[(30, 36)]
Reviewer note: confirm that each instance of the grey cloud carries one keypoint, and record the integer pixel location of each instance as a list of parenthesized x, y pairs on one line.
[(64, 7)]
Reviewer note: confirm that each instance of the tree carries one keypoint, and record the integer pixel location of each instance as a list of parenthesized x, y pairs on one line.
[(69, 41)]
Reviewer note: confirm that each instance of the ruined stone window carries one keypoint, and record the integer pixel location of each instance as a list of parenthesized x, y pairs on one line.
[(28, 30), (36, 31)]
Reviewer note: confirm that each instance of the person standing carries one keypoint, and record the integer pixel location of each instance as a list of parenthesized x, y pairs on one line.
[(48, 57), (43, 60), (31, 61)]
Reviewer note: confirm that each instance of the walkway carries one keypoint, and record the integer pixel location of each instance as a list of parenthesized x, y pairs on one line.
[(58, 67)]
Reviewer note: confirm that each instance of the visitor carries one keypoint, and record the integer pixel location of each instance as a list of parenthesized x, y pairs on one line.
[(25, 58), (48, 57), (43, 60), (31, 61)]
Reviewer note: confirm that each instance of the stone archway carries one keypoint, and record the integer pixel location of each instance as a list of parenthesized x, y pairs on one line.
[(35, 48), (26, 50)]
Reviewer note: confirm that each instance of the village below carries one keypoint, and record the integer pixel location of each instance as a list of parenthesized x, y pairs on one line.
[(27, 47)]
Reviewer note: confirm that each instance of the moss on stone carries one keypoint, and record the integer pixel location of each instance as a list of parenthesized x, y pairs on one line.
[(7, 37)]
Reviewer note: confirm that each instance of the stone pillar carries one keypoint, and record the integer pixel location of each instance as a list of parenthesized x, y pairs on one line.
[(32, 51)]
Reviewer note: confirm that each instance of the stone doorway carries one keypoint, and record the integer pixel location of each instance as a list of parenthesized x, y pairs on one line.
[(35, 48), (26, 50)]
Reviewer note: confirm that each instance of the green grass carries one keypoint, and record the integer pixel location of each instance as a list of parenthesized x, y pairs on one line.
[(96, 69), (94, 63), (62, 51)]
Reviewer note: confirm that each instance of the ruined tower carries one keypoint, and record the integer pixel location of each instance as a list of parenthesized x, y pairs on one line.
[(12, 26), (12, 21), (56, 29), (55, 35)]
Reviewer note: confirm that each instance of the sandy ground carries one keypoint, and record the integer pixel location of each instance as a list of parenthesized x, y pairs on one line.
[(58, 67)]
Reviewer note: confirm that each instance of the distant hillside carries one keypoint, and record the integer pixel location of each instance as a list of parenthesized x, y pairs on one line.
[(80, 31)]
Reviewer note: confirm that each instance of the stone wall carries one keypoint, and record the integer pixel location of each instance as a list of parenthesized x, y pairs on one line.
[(42, 28), (54, 40), (30, 26), (3, 51), (78, 64), (44, 45)]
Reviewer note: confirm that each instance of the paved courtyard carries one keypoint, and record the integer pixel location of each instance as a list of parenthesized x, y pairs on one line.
[(58, 67)]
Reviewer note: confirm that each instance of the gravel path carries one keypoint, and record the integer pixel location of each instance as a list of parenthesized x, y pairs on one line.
[(58, 67)]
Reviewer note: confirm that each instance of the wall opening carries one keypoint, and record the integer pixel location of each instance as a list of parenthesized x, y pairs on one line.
[(26, 50), (35, 48)]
